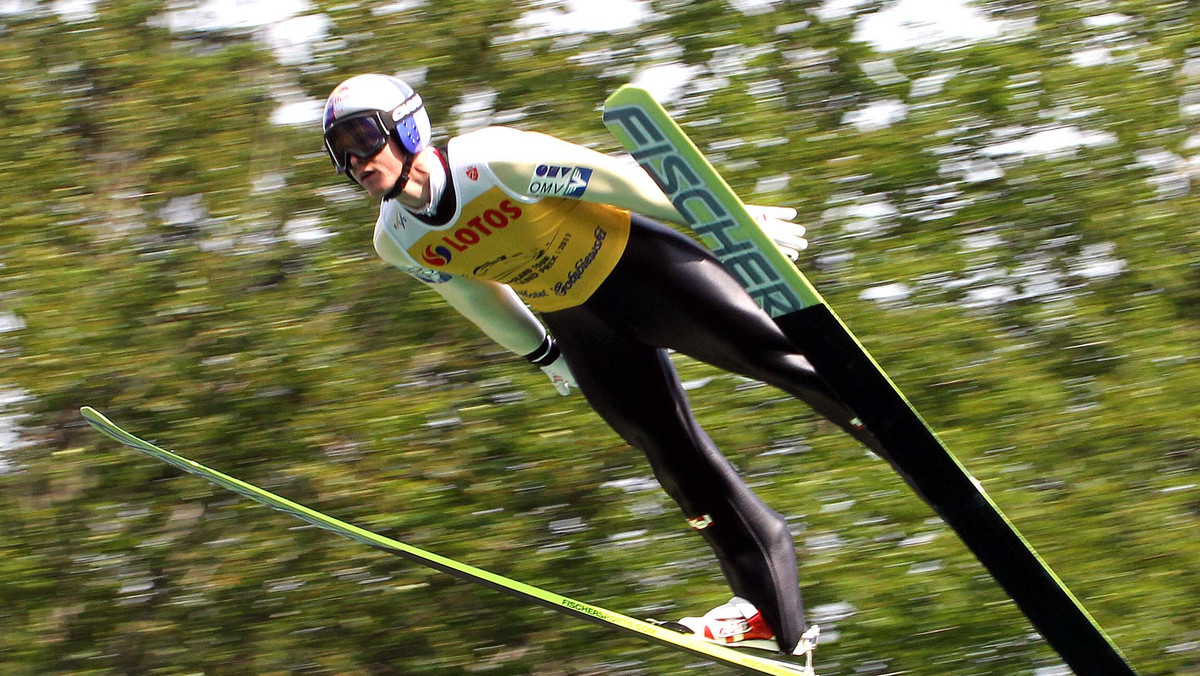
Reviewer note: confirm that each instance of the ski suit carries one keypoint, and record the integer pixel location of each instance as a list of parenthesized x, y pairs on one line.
[(527, 219)]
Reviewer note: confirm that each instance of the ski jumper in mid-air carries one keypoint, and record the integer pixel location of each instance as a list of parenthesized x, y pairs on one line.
[(499, 221)]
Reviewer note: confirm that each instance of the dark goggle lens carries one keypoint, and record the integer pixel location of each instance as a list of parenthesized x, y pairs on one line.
[(362, 137)]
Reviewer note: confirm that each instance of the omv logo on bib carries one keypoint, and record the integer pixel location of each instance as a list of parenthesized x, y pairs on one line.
[(551, 180)]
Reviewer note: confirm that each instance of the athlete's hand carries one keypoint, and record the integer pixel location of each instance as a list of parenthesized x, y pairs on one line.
[(777, 223), (560, 376)]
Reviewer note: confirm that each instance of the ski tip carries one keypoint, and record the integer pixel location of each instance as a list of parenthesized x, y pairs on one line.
[(93, 417), (624, 92)]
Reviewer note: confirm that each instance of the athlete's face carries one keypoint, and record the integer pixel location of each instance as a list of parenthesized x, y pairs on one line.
[(379, 174)]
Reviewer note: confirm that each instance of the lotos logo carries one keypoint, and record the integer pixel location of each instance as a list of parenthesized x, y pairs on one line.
[(559, 181), (437, 256), (473, 173), (474, 232)]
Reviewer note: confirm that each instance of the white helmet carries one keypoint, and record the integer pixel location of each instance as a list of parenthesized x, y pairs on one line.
[(363, 111)]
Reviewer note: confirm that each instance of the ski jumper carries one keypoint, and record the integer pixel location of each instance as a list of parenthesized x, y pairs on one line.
[(617, 290)]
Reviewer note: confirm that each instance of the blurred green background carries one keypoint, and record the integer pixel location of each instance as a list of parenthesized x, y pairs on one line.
[(1002, 206)]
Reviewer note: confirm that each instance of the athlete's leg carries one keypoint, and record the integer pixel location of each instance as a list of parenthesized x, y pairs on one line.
[(674, 293), (635, 389)]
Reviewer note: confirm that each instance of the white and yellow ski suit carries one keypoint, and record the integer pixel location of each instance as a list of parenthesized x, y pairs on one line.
[(529, 220)]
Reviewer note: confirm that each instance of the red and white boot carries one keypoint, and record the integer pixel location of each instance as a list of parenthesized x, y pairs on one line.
[(740, 625)]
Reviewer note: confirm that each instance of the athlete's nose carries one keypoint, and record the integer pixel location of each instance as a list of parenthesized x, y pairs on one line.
[(356, 166)]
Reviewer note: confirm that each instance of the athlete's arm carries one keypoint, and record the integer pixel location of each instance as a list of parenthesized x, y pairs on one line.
[(500, 314), (616, 182), (612, 181), (493, 307), (496, 310)]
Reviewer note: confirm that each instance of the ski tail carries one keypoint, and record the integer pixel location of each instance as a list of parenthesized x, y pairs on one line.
[(714, 212), (567, 606), (958, 497)]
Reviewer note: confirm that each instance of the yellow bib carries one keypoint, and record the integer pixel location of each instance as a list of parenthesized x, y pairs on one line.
[(553, 250)]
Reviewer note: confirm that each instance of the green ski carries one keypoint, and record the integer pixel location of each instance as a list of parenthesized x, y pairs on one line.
[(719, 218), (644, 630)]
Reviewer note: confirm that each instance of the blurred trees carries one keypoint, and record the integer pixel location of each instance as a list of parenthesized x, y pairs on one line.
[(1006, 223)]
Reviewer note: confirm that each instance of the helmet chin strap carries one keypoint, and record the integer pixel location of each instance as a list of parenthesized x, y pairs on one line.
[(402, 181), (436, 184)]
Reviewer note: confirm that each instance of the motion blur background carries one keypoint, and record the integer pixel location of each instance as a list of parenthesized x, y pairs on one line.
[(1002, 203)]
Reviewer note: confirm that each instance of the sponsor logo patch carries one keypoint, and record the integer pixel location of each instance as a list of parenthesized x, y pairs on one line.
[(581, 265), (552, 180), (411, 105), (334, 106), (437, 256), (473, 173)]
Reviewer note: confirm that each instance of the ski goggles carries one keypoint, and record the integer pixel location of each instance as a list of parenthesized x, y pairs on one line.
[(362, 135)]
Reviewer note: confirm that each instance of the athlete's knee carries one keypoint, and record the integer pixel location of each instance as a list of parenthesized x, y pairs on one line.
[(789, 371)]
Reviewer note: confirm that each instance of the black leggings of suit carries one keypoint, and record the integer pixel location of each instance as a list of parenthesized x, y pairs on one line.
[(669, 292)]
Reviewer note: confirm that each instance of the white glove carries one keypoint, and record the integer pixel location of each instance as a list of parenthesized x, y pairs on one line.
[(560, 376), (777, 223)]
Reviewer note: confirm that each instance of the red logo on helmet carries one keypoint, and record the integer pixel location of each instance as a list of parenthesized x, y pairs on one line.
[(473, 173)]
